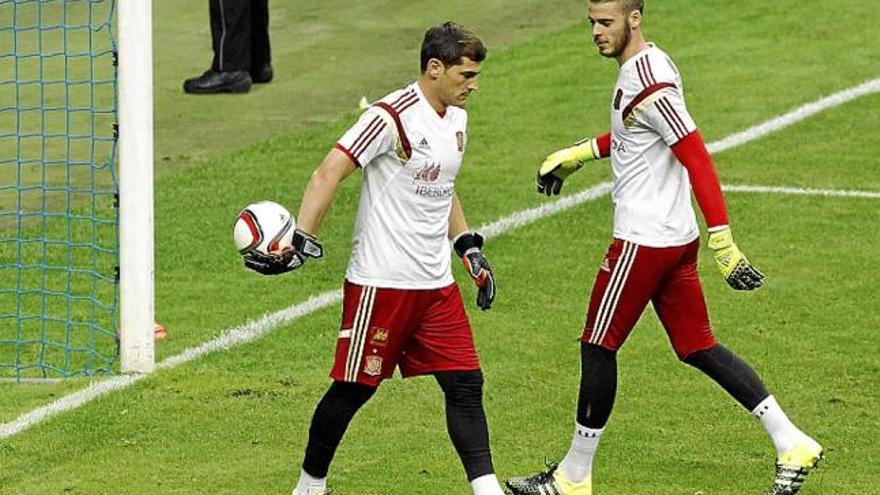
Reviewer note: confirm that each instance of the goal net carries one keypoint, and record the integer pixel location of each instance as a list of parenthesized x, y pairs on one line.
[(59, 247)]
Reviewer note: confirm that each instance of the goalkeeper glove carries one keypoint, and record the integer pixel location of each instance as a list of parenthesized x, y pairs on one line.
[(559, 165), (734, 267), (304, 246), (468, 246)]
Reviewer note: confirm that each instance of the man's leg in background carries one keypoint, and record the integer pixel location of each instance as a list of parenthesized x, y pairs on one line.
[(261, 53), (231, 42)]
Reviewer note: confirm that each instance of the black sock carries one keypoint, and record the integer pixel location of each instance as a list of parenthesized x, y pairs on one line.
[(332, 416), (466, 420), (732, 373), (598, 386)]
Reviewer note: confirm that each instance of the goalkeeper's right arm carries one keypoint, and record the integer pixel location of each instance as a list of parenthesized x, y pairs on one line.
[(321, 190), (560, 164)]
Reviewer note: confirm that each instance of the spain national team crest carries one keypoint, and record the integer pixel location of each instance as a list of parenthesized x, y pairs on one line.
[(459, 137), (373, 365)]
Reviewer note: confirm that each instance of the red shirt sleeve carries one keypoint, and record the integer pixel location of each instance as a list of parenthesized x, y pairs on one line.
[(692, 153), (603, 142)]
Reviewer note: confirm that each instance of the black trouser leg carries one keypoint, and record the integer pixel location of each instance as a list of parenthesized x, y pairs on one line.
[(260, 52), (732, 373), (598, 387), (231, 34), (332, 416), (466, 420)]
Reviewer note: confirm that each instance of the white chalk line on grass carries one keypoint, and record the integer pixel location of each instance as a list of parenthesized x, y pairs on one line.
[(801, 113), (256, 329), (800, 191)]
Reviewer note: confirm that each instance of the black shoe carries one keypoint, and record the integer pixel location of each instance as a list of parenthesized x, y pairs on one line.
[(262, 74), (218, 82)]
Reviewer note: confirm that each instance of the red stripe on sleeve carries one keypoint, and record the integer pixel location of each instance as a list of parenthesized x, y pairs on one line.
[(359, 150), (667, 112), (348, 154), (404, 142), (603, 142), (692, 153), (644, 94)]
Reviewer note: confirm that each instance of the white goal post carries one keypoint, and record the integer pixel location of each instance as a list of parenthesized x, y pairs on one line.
[(136, 265)]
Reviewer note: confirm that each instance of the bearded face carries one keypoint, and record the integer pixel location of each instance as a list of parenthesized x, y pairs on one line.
[(612, 29)]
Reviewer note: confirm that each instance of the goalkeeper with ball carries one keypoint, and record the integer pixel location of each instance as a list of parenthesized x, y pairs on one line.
[(401, 306), (657, 157)]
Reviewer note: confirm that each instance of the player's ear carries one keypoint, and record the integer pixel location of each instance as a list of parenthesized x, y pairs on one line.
[(435, 68), (635, 19)]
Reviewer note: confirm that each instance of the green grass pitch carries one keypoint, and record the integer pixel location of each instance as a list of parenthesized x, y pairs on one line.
[(236, 421)]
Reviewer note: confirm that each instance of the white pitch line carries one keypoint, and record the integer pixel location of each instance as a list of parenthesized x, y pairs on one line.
[(526, 217), (800, 191), (253, 330), (796, 115)]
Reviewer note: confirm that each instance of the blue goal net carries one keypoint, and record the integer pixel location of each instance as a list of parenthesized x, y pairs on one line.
[(58, 189)]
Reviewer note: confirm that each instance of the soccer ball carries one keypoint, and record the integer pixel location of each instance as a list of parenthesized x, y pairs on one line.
[(266, 227)]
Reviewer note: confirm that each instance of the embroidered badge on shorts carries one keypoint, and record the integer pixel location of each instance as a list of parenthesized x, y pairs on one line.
[(373, 365)]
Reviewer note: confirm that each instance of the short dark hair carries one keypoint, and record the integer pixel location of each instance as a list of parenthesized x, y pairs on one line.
[(627, 5), (449, 42)]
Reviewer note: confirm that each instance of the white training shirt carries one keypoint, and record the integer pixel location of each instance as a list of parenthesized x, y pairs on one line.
[(652, 193), (410, 156)]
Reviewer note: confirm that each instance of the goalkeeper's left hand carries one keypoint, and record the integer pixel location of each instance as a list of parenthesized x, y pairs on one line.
[(468, 246), (734, 267), (305, 246), (560, 164)]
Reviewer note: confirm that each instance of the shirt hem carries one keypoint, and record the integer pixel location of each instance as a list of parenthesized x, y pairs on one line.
[(440, 283), (658, 243)]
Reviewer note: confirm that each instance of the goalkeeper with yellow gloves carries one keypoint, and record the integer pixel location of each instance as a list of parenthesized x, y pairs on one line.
[(657, 159)]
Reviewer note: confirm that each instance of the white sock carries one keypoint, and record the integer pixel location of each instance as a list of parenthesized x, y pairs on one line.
[(309, 485), (578, 462), (784, 434), (486, 485)]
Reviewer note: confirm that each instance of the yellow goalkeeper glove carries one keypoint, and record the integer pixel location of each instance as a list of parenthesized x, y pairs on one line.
[(734, 267), (559, 165)]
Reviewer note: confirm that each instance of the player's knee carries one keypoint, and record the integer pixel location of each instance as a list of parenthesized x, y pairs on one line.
[(462, 387), (595, 354), (348, 396), (696, 356)]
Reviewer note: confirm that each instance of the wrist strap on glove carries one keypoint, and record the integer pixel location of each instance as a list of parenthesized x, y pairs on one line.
[(307, 245), (467, 241)]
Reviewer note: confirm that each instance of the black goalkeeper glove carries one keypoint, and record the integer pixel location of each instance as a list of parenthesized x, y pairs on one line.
[(468, 246), (304, 246)]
